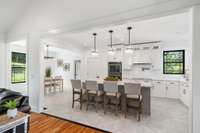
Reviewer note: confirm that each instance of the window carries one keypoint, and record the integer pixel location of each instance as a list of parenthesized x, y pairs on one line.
[(18, 68), (174, 62)]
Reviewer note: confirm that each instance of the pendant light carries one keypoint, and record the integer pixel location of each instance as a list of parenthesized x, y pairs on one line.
[(129, 49), (111, 51), (94, 51), (47, 57)]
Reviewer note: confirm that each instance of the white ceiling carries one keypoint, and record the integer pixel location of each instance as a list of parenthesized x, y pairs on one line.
[(44, 15), (10, 11), (167, 29)]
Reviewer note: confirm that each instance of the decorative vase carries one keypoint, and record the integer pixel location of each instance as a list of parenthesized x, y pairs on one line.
[(11, 113)]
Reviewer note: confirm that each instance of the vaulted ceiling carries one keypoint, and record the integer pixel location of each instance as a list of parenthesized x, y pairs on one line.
[(27, 15), (167, 29), (10, 11)]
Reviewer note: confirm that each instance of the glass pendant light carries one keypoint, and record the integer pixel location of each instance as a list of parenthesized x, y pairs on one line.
[(94, 51), (129, 49), (111, 51)]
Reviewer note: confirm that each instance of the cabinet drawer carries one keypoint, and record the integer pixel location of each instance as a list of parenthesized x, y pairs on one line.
[(172, 83)]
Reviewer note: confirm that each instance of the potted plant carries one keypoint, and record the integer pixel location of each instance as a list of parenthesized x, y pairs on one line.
[(48, 72), (11, 105), (111, 78)]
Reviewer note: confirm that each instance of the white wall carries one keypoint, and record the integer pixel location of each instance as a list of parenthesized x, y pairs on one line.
[(195, 70), (68, 57), (2, 62)]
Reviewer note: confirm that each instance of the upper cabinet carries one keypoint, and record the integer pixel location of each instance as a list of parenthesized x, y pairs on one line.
[(148, 54), (156, 57), (127, 61)]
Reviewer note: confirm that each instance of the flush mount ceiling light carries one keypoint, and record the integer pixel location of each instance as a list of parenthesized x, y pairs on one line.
[(94, 51), (47, 57), (129, 49), (111, 50)]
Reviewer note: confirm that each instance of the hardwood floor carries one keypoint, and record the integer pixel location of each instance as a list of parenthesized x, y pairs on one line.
[(41, 123)]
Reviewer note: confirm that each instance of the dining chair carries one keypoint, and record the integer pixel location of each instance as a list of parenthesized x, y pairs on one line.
[(48, 84), (133, 93), (94, 93), (77, 90), (58, 82), (111, 93)]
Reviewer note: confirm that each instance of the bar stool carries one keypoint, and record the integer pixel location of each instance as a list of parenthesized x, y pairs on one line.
[(93, 92), (111, 92), (133, 93)]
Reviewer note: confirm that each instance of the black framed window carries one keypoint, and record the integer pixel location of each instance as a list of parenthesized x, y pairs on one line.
[(18, 67), (174, 62)]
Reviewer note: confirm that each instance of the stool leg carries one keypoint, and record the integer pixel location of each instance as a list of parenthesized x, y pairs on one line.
[(81, 101), (73, 99)]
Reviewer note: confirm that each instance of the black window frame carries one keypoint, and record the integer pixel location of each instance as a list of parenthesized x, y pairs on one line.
[(15, 82), (183, 72)]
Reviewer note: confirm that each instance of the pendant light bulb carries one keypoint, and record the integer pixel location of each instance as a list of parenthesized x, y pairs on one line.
[(129, 49), (94, 51)]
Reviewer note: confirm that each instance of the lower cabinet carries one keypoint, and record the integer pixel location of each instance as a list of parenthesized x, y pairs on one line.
[(172, 89), (158, 89), (168, 89), (184, 93)]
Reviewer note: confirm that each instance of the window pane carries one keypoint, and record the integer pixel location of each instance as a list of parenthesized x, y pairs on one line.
[(173, 68), (174, 62), (18, 74)]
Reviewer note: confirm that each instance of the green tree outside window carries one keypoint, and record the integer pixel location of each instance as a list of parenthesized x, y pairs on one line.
[(174, 62)]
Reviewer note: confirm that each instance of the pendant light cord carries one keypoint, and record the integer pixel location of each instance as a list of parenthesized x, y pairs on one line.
[(47, 50), (111, 31), (94, 34), (129, 35)]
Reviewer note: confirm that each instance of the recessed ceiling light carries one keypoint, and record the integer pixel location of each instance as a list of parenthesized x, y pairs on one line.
[(54, 31)]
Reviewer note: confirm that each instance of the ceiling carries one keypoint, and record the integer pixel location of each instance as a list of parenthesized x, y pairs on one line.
[(10, 11), (167, 29), (22, 16)]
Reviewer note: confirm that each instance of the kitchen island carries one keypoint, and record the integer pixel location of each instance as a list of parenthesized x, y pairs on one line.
[(145, 92)]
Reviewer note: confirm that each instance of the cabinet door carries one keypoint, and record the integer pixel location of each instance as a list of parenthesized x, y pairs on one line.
[(156, 57), (158, 89), (127, 61), (173, 90), (145, 54), (184, 93)]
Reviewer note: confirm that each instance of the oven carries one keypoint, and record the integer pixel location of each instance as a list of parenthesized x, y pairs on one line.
[(115, 69)]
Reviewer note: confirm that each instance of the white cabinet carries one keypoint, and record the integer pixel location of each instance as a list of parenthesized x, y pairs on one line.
[(136, 55), (156, 57), (127, 61), (141, 55), (184, 93), (158, 89), (172, 89), (168, 89)]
